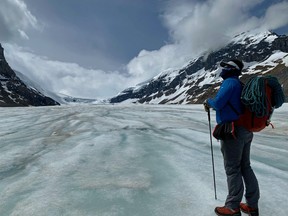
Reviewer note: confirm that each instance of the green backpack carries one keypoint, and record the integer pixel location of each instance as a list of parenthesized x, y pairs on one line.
[(260, 96)]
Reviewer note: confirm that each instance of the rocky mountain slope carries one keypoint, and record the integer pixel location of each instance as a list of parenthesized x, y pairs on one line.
[(14, 92), (262, 53)]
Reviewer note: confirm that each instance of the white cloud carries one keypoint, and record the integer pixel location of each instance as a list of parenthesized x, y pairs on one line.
[(23, 34), (194, 26), (276, 16), (198, 26), (63, 77), (150, 63), (15, 19)]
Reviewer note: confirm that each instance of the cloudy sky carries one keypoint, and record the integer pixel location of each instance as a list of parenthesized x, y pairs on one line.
[(97, 48)]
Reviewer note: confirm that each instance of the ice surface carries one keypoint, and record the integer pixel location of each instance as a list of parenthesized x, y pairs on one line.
[(126, 160)]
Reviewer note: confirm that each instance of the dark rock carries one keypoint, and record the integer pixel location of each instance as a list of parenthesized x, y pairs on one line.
[(13, 92)]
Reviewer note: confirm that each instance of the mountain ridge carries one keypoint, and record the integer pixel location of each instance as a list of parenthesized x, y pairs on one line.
[(14, 92), (199, 79)]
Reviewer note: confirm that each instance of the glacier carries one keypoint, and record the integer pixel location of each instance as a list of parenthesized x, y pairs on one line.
[(127, 160)]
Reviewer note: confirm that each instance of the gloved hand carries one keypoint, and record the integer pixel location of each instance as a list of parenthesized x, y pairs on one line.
[(206, 106)]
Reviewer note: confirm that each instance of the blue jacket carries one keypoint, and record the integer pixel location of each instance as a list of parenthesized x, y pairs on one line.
[(230, 91)]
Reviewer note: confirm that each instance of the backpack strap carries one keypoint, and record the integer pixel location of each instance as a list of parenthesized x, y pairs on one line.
[(233, 108)]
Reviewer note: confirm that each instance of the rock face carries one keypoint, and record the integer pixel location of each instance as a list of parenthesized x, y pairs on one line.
[(13, 92), (262, 53)]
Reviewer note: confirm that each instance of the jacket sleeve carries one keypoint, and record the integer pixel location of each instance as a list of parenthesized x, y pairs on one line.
[(223, 95)]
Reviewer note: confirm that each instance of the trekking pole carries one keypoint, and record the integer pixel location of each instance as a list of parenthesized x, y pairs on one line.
[(209, 120)]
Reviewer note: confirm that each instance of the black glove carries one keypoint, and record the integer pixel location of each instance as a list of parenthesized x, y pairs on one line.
[(206, 106)]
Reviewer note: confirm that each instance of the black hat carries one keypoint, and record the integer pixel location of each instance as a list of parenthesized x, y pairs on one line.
[(233, 64)]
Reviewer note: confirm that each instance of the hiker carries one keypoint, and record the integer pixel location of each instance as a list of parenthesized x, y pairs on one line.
[(236, 151)]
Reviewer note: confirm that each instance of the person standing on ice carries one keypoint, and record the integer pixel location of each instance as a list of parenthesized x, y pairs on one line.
[(236, 152)]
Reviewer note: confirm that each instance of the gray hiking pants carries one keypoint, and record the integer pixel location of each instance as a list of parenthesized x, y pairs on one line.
[(236, 154)]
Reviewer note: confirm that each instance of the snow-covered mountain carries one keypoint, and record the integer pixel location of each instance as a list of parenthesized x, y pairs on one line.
[(19, 90), (15, 90), (262, 53), (59, 98), (66, 99)]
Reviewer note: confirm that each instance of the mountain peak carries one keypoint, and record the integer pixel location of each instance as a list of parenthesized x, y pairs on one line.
[(254, 37)]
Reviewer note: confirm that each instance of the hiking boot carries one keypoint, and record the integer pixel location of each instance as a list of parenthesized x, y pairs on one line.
[(225, 211), (248, 210)]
